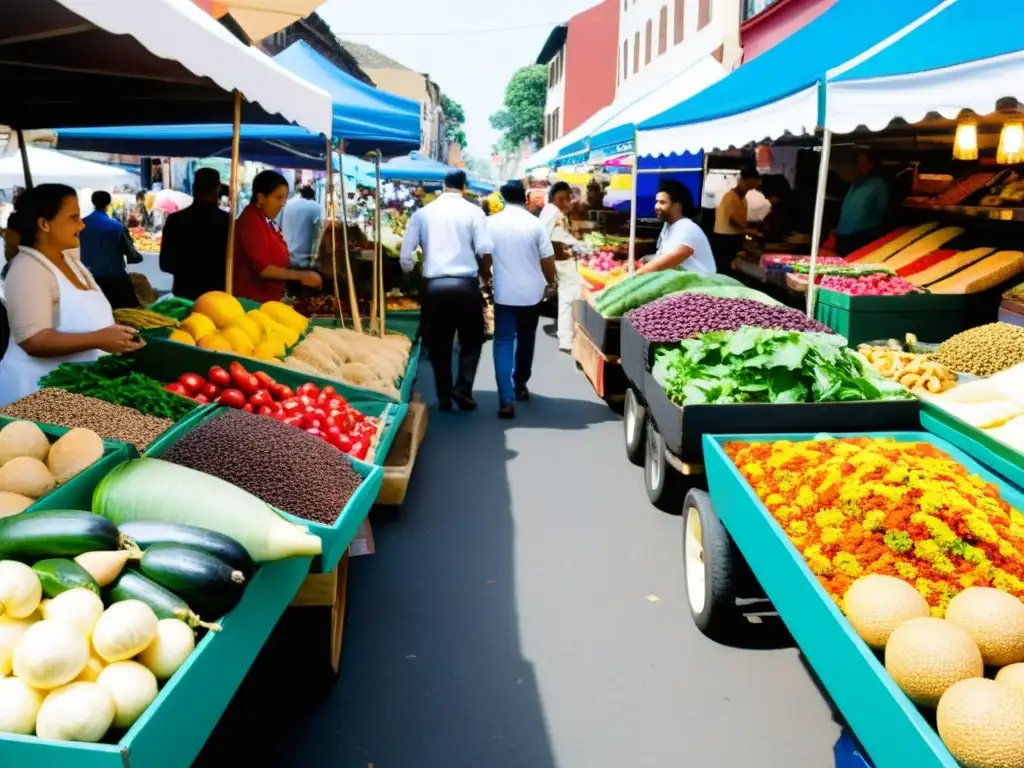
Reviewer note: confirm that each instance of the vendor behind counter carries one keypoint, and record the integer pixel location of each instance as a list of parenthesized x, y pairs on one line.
[(865, 208), (732, 220)]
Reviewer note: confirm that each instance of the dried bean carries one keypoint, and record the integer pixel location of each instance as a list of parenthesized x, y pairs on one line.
[(66, 409), (286, 467), (984, 350)]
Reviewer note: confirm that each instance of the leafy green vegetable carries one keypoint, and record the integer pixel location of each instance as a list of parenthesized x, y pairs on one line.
[(756, 365)]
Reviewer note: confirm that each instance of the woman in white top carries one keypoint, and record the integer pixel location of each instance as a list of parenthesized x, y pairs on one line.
[(57, 313)]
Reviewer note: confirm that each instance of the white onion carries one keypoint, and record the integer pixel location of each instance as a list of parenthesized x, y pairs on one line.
[(18, 706), (76, 712), (174, 642), (50, 654), (133, 688)]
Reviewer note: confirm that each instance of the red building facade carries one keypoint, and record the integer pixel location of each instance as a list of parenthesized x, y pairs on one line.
[(763, 23), (591, 55)]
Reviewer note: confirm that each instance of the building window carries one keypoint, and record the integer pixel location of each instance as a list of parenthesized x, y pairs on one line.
[(663, 30), (648, 34), (625, 59), (750, 8), (556, 127), (703, 13), (625, 5), (636, 53), (678, 20)]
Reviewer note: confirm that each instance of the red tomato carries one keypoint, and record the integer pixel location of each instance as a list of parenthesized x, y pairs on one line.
[(279, 416), (191, 382), (309, 389), (343, 443), (336, 404), (307, 401), (359, 449), (248, 408), (232, 398), (357, 416), (263, 410), (293, 421), (349, 423), (264, 379), (274, 407), (279, 391), (261, 398), (177, 388), (219, 376), (320, 413), (332, 421), (244, 380), (312, 422), (211, 390), (201, 398), (291, 406), (329, 391), (315, 432)]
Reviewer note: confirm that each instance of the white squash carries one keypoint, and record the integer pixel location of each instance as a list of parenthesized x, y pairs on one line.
[(81, 607), (92, 670), (50, 654), (174, 642), (11, 631), (124, 630), (20, 590), (19, 705), (77, 712), (133, 688)]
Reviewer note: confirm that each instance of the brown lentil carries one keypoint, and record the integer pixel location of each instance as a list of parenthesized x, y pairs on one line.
[(66, 409), (286, 467), (984, 350)]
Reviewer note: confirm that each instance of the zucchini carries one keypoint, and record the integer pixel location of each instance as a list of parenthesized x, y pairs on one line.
[(59, 575), (132, 585), (147, 533), (60, 533), (210, 586)]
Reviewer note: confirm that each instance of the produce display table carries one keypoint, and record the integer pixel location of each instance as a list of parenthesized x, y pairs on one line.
[(401, 458), (328, 590), (731, 530), (602, 371)]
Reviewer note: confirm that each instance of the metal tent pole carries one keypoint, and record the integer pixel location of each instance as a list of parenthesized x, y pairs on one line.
[(819, 213), (229, 266)]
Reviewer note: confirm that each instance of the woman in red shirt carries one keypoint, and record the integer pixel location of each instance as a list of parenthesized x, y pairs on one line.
[(261, 254)]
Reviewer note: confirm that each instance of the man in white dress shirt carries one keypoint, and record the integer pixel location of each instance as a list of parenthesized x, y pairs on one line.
[(554, 218), (452, 233), (523, 268)]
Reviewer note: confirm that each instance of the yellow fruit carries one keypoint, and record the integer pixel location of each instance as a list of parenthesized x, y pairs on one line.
[(285, 315), (252, 329), (926, 656), (982, 724), (1012, 676), (267, 350), (238, 339), (995, 621), (876, 605), (198, 325), (220, 307), (182, 337), (262, 320), (215, 342)]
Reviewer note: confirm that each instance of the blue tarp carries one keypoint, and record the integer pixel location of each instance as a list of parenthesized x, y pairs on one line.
[(797, 63)]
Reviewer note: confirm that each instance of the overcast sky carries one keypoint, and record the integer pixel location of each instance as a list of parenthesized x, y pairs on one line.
[(468, 47)]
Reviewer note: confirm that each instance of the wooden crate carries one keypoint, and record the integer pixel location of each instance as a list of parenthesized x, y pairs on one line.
[(328, 590), (603, 372), (402, 457)]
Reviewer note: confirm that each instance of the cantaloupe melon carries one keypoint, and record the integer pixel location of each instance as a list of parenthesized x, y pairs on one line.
[(13, 503), (925, 245), (22, 438), (947, 267), (925, 656), (995, 621), (74, 451), (982, 724), (1012, 676), (876, 605), (985, 274), (26, 476), (896, 245)]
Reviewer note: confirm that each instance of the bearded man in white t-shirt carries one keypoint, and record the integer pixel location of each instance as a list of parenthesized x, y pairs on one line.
[(682, 244)]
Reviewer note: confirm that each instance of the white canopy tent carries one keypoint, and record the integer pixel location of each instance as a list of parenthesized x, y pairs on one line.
[(52, 167)]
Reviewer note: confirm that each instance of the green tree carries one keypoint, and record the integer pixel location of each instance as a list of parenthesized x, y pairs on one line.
[(523, 114), (454, 119)]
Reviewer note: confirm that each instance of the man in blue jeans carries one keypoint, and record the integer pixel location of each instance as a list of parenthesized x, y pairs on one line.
[(523, 266)]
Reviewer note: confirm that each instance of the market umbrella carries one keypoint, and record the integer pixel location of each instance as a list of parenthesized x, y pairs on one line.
[(52, 167), (260, 18)]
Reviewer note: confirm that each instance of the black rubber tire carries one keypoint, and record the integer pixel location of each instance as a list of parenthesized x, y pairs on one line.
[(634, 421), (666, 488), (719, 617)]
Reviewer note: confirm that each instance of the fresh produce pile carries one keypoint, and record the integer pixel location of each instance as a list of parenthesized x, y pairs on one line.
[(30, 467), (686, 315), (841, 270), (99, 609), (173, 307), (1016, 293), (145, 242), (787, 262), (219, 322), (288, 468), (877, 284), (112, 379), (64, 409), (319, 306), (636, 290), (756, 365), (322, 413), (995, 404), (143, 319), (917, 372), (901, 535), (356, 359), (984, 350), (601, 268), (395, 301)]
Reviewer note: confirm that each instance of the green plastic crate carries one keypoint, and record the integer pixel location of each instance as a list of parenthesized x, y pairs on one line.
[(931, 317), (975, 442), (173, 730), (335, 538), (61, 496)]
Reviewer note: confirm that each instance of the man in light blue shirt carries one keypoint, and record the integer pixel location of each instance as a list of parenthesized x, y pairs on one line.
[(865, 207), (300, 224)]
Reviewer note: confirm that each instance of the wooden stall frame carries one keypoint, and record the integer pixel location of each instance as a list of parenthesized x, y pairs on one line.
[(328, 590)]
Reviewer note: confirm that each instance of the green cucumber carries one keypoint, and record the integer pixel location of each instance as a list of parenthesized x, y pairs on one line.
[(59, 533), (149, 532), (132, 585), (59, 575), (209, 585)]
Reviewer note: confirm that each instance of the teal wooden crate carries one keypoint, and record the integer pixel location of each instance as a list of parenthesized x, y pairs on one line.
[(334, 538), (931, 317), (975, 442), (886, 722), (61, 496), (404, 321)]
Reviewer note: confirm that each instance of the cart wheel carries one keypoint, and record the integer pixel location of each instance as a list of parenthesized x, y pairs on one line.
[(633, 419), (708, 568), (665, 487)]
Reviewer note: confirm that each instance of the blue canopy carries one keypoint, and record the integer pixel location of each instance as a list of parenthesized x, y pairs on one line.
[(367, 119), (778, 92), (414, 168), (934, 67)]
